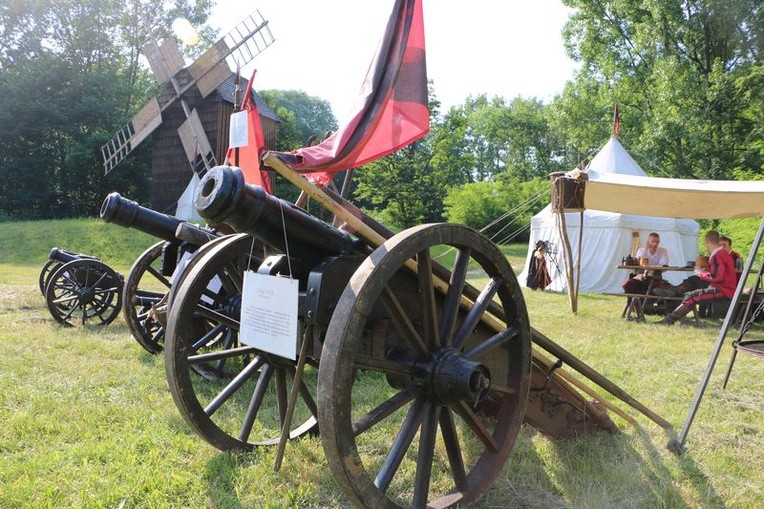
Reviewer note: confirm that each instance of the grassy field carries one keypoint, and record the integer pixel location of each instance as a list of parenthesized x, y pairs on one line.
[(88, 420)]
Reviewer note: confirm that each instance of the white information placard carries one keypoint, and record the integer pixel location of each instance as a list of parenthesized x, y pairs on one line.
[(238, 135), (269, 314)]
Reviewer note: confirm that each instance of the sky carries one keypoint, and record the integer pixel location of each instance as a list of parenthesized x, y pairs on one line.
[(500, 48)]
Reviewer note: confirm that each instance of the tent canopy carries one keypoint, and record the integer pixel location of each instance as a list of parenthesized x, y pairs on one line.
[(617, 184), (608, 236)]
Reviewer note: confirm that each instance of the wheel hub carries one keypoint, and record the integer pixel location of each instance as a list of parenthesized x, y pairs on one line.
[(86, 295), (454, 378)]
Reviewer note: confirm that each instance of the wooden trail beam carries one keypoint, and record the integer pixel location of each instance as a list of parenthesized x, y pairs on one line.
[(375, 234)]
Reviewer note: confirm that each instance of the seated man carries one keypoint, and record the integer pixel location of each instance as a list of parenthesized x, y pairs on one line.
[(736, 258), (655, 255), (721, 278)]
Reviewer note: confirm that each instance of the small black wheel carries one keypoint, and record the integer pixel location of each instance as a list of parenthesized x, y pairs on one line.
[(47, 270), (406, 355), (142, 299), (83, 291), (232, 395)]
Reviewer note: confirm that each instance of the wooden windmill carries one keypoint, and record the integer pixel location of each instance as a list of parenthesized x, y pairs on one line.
[(239, 46)]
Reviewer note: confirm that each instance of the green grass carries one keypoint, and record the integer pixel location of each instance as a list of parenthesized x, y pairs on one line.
[(88, 420)]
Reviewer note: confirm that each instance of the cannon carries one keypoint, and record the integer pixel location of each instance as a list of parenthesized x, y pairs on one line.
[(420, 335), (80, 288), (149, 280)]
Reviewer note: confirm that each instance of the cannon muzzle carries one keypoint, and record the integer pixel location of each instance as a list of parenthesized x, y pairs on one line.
[(64, 256), (127, 213), (223, 197)]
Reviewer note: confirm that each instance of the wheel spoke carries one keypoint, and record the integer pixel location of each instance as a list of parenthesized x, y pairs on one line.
[(492, 342), (204, 340), (451, 441), (216, 316), (281, 394), (477, 427), (425, 454), (476, 312), (427, 295), (159, 277), (233, 386), (230, 338), (403, 323), (383, 365), (64, 299), (234, 276), (305, 394), (454, 296), (71, 311), (401, 443), (385, 409), (158, 336), (256, 402), (222, 354)]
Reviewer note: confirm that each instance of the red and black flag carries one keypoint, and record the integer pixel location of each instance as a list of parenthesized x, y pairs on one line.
[(616, 121), (392, 109)]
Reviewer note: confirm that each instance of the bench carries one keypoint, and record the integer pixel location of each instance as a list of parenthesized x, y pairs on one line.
[(635, 304)]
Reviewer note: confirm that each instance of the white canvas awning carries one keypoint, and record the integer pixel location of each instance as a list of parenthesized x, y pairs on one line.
[(617, 184), (664, 197)]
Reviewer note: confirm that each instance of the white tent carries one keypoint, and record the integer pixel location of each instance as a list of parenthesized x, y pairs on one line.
[(186, 209), (608, 235)]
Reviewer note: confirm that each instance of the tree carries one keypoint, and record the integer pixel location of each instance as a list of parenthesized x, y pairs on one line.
[(68, 81), (501, 209), (674, 67), (312, 115)]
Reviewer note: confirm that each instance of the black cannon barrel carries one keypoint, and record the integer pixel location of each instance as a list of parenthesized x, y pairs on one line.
[(127, 213), (223, 197), (64, 256)]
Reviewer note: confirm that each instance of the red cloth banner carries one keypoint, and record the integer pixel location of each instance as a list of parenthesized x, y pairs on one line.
[(392, 108), (248, 157)]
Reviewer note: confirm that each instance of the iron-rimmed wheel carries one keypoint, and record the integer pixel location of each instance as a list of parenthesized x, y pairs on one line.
[(47, 269), (232, 395), (458, 379), (145, 287), (82, 291)]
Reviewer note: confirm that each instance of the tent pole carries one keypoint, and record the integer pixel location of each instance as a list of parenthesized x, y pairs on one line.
[(676, 445), (578, 257), (572, 300)]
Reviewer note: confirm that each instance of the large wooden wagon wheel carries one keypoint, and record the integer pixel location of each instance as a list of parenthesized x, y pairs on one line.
[(456, 383), (82, 291), (145, 287), (241, 400)]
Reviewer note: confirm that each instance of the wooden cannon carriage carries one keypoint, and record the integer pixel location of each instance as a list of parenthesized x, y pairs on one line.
[(413, 354), (80, 289)]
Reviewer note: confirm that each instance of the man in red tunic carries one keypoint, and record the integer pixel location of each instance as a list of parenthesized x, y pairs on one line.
[(720, 275)]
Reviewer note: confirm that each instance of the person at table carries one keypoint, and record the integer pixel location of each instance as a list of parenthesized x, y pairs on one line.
[(736, 257), (720, 276), (656, 256)]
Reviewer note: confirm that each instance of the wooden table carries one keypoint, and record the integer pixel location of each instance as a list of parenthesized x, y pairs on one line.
[(636, 305)]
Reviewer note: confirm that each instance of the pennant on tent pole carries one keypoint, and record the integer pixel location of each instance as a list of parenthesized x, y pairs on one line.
[(246, 152), (616, 121), (392, 109)]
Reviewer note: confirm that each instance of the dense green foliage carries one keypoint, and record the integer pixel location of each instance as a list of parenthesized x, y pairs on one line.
[(69, 78)]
